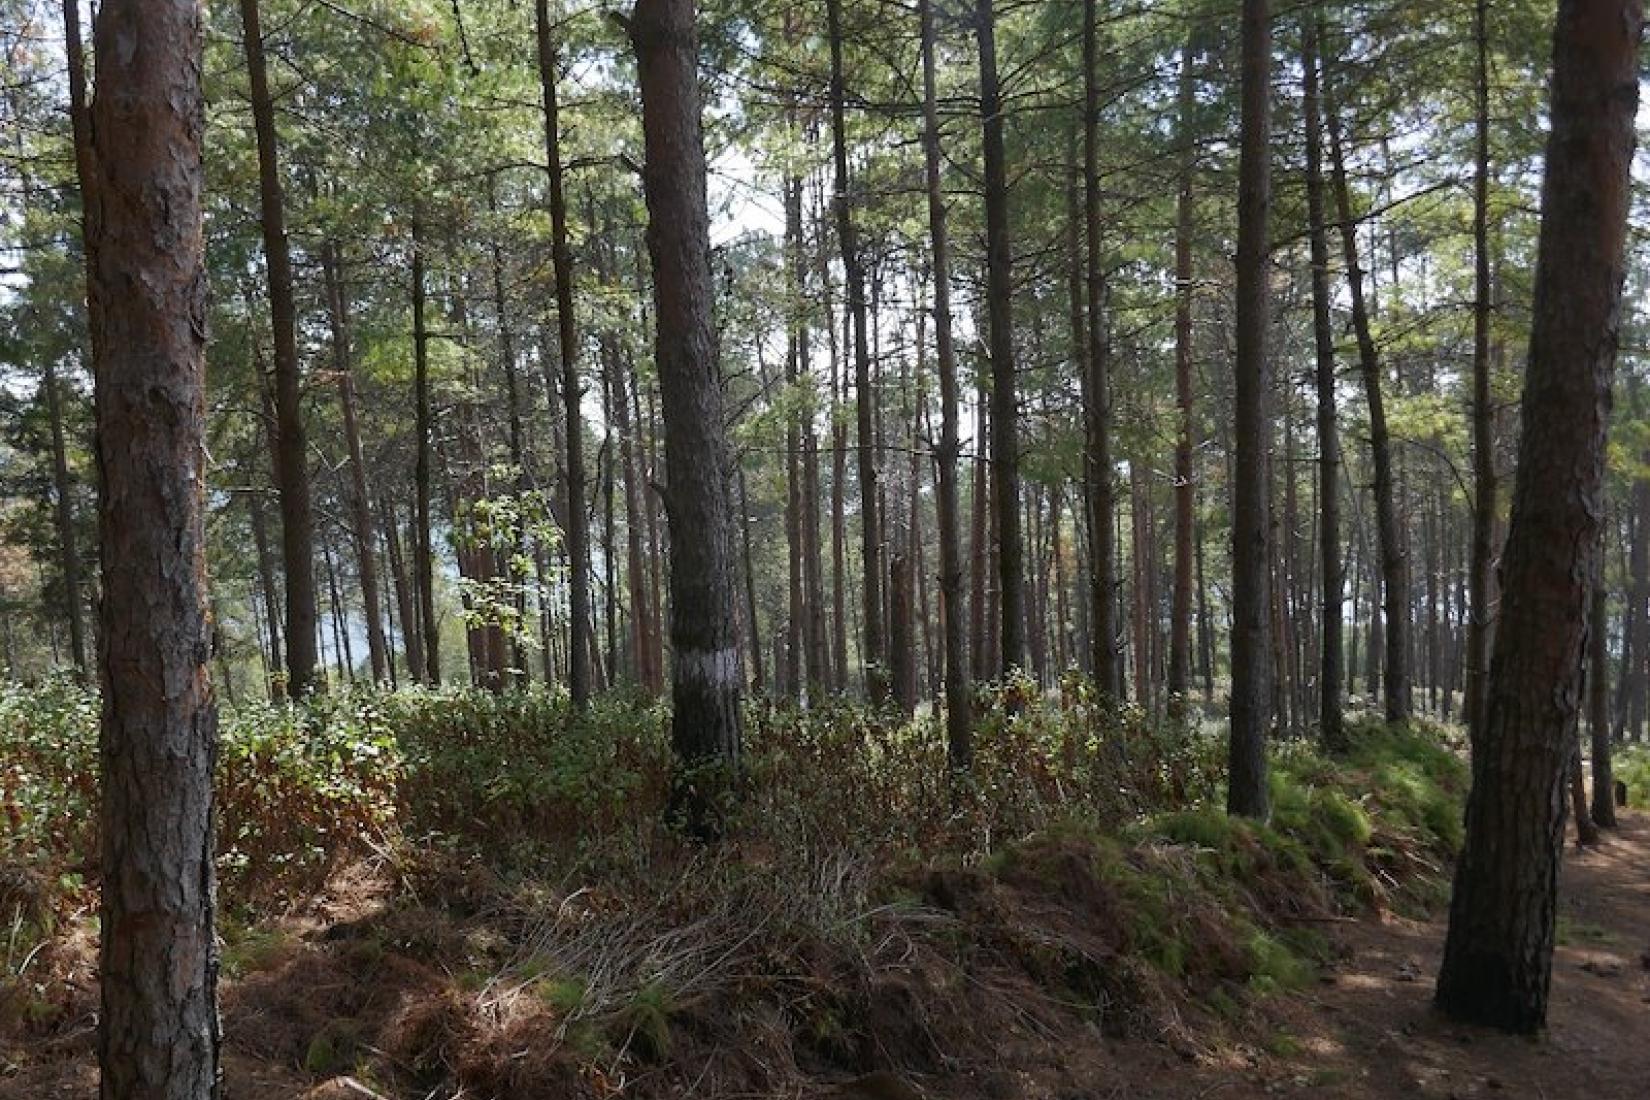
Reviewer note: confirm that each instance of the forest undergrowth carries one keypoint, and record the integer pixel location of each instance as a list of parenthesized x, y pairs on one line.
[(446, 892)]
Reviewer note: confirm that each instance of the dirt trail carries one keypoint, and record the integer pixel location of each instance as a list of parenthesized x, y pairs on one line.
[(1369, 1031)]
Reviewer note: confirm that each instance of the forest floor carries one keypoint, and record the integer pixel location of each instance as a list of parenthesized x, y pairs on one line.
[(1368, 1029), (1363, 1029)]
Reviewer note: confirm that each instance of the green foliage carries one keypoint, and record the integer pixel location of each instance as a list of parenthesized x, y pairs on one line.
[(1389, 811), (1631, 765), (523, 771), (298, 788)]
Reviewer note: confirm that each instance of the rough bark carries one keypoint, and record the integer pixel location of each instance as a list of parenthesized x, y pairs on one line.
[(704, 629), (1498, 953), (158, 1035), (1251, 674)]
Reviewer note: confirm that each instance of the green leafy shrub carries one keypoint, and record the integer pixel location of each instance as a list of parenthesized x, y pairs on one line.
[(298, 788), (1631, 765)]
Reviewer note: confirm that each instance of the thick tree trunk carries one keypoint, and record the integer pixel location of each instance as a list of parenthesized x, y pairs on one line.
[(1498, 954), (359, 502), (1251, 674), (158, 1034), (291, 461), (876, 677), (704, 627), (572, 392), (958, 702), (1394, 564), (1331, 732), (1097, 465)]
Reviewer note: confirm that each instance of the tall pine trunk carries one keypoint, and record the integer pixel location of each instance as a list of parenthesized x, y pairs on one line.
[(1390, 537), (1479, 577), (1330, 675), (1598, 705), (704, 619), (423, 550), (1005, 413), (1498, 954), (958, 705), (1180, 608), (360, 506), (85, 168), (1251, 674), (572, 392), (876, 679), (1097, 465), (158, 1033), (291, 462)]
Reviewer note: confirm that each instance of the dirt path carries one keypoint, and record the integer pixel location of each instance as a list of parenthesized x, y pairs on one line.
[(1369, 1030)]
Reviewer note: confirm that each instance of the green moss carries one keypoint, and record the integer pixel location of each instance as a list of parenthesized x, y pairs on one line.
[(1274, 965), (1203, 828)]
